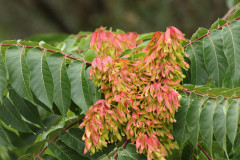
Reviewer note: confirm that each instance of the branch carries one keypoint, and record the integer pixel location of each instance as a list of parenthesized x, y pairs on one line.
[(230, 11), (66, 55), (191, 42), (200, 147), (55, 138), (123, 146), (202, 95)]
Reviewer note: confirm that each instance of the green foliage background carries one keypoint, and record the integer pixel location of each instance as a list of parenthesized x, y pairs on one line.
[(22, 18)]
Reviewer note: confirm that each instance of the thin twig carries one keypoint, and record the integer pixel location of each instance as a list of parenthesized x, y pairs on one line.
[(202, 95), (230, 11), (55, 138), (80, 36), (206, 154), (123, 146), (191, 42), (80, 51), (66, 55)]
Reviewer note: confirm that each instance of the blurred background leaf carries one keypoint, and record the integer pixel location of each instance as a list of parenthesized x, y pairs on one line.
[(22, 18)]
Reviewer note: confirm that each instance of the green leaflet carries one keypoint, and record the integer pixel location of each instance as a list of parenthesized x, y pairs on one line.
[(180, 128), (127, 51), (206, 123), (36, 147), (199, 74), (90, 55), (192, 119), (84, 43), (218, 23), (41, 80), (62, 86), (221, 56), (19, 73), (4, 140), (95, 94), (214, 58), (3, 77), (200, 32), (214, 92), (219, 124), (232, 50), (4, 48), (130, 153), (25, 108), (218, 118), (49, 157), (145, 36), (73, 139), (62, 151), (139, 54), (81, 94), (28, 156), (69, 44), (232, 118), (10, 116), (142, 45)]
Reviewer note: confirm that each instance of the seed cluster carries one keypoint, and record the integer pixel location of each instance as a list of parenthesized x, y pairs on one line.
[(140, 96)]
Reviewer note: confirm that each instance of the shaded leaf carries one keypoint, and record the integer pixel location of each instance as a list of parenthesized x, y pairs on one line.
[(62, 151), (49, 157), (25, 108), (3, 77), (73, 139), (199, 74), (4, 140), (95, 94), (26, 157), (180, 127), (130, 153), (10, 115)]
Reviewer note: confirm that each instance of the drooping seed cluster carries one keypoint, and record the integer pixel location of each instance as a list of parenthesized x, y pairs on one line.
[(140, 96)]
